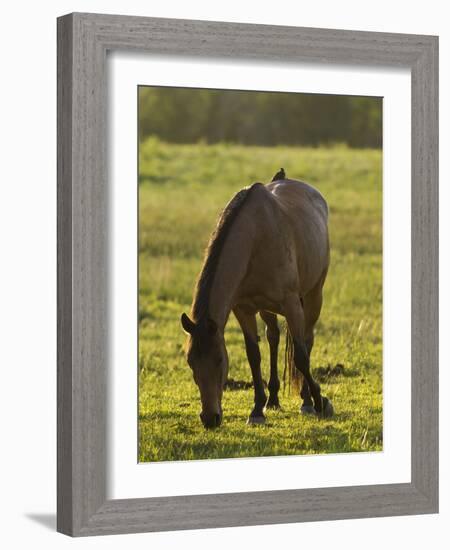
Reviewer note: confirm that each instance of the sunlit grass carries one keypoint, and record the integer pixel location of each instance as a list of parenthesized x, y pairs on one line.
[(182, 190)]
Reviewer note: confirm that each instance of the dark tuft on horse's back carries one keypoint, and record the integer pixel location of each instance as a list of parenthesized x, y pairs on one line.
[(281, 175)]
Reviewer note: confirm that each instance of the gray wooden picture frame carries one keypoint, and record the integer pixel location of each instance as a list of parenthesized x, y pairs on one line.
[(83, 41)]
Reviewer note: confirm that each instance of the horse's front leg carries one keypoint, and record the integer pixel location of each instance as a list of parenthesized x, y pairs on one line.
[(247, 322), (273, 337)]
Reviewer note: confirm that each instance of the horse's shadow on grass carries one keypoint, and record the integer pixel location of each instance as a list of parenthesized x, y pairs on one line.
[(162, 415)]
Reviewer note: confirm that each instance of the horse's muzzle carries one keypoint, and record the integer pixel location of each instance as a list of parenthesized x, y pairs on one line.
[(211, 420)]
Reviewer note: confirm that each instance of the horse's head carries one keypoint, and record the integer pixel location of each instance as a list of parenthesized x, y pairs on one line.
[(207, 357)]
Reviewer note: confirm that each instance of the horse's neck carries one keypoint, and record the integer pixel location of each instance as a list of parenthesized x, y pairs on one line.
[(231, 268)]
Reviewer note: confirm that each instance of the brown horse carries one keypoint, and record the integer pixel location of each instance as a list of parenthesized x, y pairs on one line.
[(269, 254)]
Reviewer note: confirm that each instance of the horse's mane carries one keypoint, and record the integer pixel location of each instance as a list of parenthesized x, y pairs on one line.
[(200, 305)]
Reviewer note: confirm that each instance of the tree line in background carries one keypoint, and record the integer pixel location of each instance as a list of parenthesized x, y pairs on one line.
[(186, 115)]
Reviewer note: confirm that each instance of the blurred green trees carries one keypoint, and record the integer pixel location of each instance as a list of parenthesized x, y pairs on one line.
[(187, 115)]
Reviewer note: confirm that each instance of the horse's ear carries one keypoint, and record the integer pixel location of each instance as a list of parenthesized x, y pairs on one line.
[(212, 327), (187, 324)]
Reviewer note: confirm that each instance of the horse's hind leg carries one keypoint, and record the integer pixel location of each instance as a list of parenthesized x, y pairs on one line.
[(247, 322), (273, 337), (305, 393), (302, 334), (312, 305)]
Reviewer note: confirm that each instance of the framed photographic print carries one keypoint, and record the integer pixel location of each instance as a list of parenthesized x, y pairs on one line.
[(247, 274)]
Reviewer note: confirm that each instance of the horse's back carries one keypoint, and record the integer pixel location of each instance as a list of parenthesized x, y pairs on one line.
[(297, 196), (305, 212)]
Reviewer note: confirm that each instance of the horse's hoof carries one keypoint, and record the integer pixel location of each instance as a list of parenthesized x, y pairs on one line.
[(327, 408), (308, 410), (274, 405), (256, 420)]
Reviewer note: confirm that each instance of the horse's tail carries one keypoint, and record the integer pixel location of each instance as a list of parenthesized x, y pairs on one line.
[(290, 370)]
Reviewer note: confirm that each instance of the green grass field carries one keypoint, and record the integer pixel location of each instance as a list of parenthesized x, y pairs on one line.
[(182, 191)]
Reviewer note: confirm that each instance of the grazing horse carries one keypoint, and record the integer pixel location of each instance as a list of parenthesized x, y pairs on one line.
[(269, 254)]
